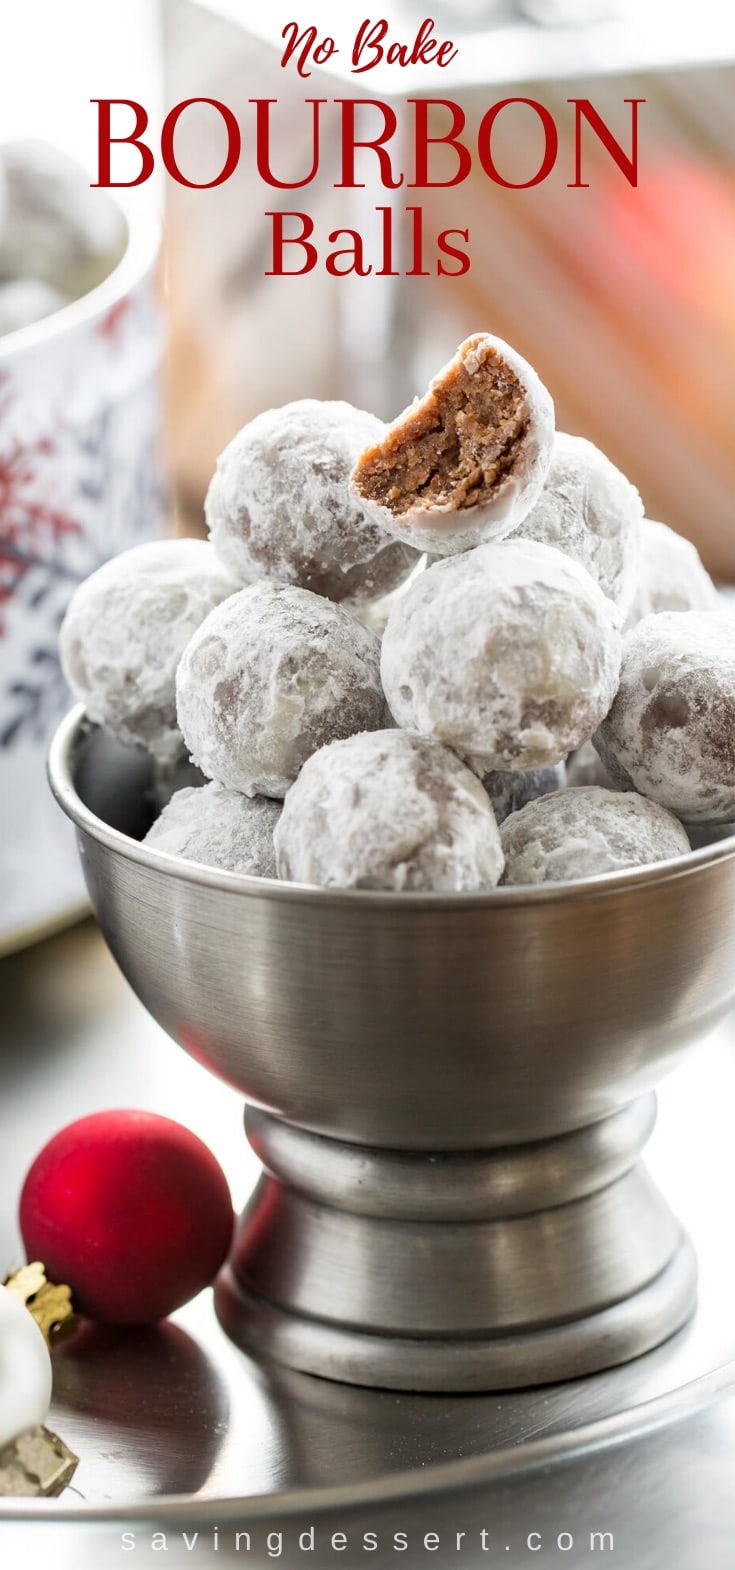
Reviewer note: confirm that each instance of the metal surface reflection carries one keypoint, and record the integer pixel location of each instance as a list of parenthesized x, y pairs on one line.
[(156, 1402), (182, 1411)]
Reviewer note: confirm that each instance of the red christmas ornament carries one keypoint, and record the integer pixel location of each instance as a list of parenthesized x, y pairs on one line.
[(130, 1209)]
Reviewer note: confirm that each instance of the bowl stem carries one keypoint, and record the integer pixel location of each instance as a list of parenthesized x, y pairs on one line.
[(466, 1271)]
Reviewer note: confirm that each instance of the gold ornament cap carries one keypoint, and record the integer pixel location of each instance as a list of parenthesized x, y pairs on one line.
[(48, 1301), (37, 1463)]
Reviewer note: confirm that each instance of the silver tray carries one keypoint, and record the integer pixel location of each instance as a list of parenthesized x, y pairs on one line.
[(178, 1431)]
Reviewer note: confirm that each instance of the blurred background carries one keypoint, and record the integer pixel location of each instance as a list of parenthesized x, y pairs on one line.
[(622, 298), (154, 346)]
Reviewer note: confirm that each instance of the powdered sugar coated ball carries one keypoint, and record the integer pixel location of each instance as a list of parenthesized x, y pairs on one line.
[(279, 506), (270, 676), (464, 463), (125, 631), (586, 831), (509, 654), (219, 828), (589, 510), (388, 810), (511, 789), (670, 733), (671, 576)]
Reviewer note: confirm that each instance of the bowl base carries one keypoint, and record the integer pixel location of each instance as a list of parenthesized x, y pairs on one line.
[(452, 1272), (451, 1366)]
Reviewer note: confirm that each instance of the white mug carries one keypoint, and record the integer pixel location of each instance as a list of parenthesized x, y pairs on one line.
[(80, 480)]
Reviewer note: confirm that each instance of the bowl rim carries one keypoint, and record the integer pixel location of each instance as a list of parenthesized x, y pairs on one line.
[(143, 233), (76, 724)]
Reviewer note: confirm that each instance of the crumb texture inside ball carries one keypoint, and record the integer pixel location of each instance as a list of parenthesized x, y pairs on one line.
[(457, 444), (388, 810), (585, 831)]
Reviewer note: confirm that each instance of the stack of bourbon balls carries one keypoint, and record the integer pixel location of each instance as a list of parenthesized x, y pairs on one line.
[(532, 611)]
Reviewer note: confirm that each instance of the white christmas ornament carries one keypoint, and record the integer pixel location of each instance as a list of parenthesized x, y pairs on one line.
[(25, 1370)]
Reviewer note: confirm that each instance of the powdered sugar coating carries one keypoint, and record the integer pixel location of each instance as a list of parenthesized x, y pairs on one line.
[(125, 631), (509, 654), (589, 510), (585, 831), (388, 810), (278, 505), (671, 731), (445, 528), (671, 576), (512, 789), (219, 828), (270, 676)]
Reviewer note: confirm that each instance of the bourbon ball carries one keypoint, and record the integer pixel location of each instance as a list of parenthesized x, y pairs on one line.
[(219, 828), (463, 464), (279, 504), (388, 810), (585, 831), (589, 510), (126, 629), (509, 654), (670, 733), (268, 678), (671, 577)]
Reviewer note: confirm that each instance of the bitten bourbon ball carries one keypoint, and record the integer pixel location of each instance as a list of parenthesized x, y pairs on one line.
[(670, 733), (279, 505), (509, 654), (131, 1210), (271, 676), (465, 463)]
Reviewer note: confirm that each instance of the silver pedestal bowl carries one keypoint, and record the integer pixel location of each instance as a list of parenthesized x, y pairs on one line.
[(449, 1095)]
